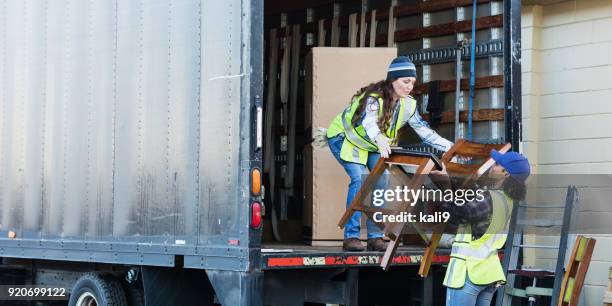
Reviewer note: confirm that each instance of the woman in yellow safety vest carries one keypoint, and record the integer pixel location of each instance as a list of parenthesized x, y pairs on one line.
[(474, 271), (365, 131)]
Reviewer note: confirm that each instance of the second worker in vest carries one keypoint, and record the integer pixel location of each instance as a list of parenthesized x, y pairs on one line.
[(474, 271), (365, 131)]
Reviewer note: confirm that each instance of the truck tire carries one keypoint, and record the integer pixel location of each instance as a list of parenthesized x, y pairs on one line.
[(93, 289)]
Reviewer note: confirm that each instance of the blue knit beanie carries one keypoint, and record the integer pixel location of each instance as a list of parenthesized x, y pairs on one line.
[(515, 163), (401, 67)]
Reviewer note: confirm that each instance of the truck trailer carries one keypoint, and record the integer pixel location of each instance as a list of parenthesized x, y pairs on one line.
[(131, 147)]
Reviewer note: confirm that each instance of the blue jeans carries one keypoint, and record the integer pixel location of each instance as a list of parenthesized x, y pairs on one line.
[(470, 294), (357, 173)]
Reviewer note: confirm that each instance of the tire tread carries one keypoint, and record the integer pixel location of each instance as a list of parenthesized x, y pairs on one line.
[(108, 286)]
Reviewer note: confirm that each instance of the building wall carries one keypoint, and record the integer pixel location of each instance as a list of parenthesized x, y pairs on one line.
[(567, 109)]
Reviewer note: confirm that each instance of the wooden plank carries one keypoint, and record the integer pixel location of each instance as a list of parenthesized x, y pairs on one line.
[(391, 29), (461, 170), (449, 85), (576, 269), (373, 25), (335, 33), (429, 253), (270, 101), (495, 21), (362, 29), (293, 105), (353, 30), (582, 271), (449, 28), (487, 114), (398, 11), (432, 6), (570, 270), (321, 33), (285, 70), (477, 150)]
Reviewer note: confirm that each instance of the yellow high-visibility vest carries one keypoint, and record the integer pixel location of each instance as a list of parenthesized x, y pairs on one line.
[(357, 144), (479, 258)]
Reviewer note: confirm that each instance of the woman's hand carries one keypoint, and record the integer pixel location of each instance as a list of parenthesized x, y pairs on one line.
[(383, 145)]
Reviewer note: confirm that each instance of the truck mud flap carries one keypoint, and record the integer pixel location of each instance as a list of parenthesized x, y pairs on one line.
[(164, 286), (237, 288)]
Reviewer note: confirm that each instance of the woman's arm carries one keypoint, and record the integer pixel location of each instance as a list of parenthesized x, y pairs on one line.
[(428, 135), (476, 213), (472, 211), (370, 121)]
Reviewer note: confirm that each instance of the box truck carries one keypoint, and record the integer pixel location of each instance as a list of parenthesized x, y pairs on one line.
[(131, 142)]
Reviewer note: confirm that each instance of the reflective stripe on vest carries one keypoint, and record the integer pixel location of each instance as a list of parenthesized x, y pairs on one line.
[(356, 146), (352, 136), (484, 251), (352, 132), (478, 258)]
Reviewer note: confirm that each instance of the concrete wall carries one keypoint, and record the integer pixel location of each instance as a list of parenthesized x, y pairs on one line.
[(567, 107)]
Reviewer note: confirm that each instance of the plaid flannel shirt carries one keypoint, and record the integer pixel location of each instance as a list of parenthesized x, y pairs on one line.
[(476, 213)]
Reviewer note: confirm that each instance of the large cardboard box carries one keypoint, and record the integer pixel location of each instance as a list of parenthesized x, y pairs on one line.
[(333, 76)]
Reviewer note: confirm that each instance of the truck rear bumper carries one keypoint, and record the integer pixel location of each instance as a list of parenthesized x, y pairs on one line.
[(336, 258)]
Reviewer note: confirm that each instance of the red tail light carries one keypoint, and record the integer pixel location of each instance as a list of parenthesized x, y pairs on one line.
[(255, 215)]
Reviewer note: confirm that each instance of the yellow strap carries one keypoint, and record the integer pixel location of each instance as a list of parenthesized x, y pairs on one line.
[(569, 289), (581, 248)]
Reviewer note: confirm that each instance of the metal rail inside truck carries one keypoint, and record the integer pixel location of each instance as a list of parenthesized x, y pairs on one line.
[(131, 160)]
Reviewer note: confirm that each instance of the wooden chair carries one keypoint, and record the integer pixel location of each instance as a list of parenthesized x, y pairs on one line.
[(425, 163), (576, 271), (471, 173), (607, 300)]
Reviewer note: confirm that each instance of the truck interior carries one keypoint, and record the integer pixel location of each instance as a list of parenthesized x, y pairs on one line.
[(426, 31)]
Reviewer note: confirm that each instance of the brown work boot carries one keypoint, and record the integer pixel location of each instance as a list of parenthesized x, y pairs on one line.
[(377, 244), (352, 245)]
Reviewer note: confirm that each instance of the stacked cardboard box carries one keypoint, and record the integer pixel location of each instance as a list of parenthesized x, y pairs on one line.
[(333, 76)]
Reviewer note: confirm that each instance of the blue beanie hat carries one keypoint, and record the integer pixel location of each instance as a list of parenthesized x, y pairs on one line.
[(401, 67), (515, 163)]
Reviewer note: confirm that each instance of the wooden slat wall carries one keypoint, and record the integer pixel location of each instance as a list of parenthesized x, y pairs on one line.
[(443, 29), (411, 34), (450, 85), (487, 114)]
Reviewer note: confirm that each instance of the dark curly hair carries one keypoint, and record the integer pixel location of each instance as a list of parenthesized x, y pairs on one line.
[(514, 189)]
